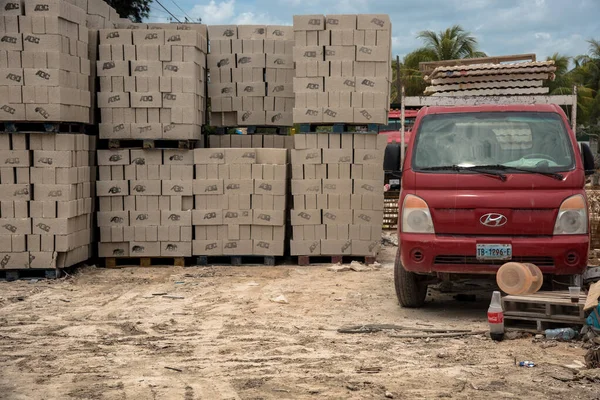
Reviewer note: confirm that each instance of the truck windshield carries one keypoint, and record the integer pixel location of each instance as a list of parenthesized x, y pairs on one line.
[(526, 141)]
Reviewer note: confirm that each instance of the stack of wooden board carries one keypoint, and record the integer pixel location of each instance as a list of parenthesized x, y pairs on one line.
[(491, 79)]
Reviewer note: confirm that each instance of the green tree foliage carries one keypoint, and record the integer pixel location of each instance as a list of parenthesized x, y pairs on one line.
[(585, 74), (135, 10), (450, 44)]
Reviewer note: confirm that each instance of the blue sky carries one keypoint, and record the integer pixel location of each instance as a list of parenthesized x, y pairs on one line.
[(501, 26)]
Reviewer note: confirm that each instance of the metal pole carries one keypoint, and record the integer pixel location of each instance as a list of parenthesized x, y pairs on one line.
[(574, 110), (402, 127), (398, 84)]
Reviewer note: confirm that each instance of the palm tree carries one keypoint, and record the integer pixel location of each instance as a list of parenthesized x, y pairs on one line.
[(450, 44)]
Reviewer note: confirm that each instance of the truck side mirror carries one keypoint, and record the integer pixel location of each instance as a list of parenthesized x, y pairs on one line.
[(391, 158), (588, 159)]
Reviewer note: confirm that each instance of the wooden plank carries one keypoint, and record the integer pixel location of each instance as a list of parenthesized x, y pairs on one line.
[(484, 85), (145, 262), (431, 65), (493, 78), (534, 315), (466, 100), (495, 92)]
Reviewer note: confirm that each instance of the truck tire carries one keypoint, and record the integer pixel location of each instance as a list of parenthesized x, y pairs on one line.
[(410, 289)]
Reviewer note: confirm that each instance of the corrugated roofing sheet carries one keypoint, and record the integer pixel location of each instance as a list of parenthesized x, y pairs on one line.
[(492, 69)]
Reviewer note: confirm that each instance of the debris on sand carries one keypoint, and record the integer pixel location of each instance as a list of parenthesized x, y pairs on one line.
[(279, 299), (338, 268), (358, 267), (389, 239)]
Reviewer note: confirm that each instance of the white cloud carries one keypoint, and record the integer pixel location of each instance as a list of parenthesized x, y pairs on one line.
[(249, 18), (214, 13), (542, 35)]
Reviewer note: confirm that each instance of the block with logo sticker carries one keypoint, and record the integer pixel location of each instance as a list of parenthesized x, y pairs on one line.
[(368, 217), (207, 247), (207, 217), (223, 31), (369, 156), (176, 249), (111, 157), (314, 22), (374, 21), (268, 247), (112, 68), (370, 115), (176, 188), (270, 187), (9, 260), (15, 226), (337, 217), (12, 77), (144, 249), (337, 186), (237, 217), (237, 247), (145, 218), (113, 218), (305, 217), (145, 187), (278, 118), (280, 90), (207, 187), (113, 249), (11, 41), (175, 218), (366, 247), (336, 247), (268, 218), (114, 131), (55, 192), (112, 188)]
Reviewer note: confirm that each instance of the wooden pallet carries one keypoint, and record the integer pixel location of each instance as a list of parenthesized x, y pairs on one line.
[(390, 209), (256, 130), (236, 260), (544, 309), (42, 127), (308, 260), (339, 128), (30, 273), (119, 262), (535, 325), (148, 143)]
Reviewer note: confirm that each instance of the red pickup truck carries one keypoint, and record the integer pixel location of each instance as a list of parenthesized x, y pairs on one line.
[(483, 185)]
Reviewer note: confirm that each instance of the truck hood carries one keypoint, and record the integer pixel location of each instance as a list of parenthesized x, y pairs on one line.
[(460, 204)]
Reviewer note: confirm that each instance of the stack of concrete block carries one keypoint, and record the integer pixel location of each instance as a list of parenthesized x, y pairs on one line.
[(46, 199), (343, 68), (145, 203), (251, 141), (240, 202), (152, 82), (45, 62), (337, 188), (99, 16), (251, 75)]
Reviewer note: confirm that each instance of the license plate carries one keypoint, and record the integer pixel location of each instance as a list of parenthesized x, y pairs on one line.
[(394, 181), (494, 251)]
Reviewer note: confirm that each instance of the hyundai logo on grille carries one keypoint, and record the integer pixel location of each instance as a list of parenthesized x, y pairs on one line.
[(493, 220)]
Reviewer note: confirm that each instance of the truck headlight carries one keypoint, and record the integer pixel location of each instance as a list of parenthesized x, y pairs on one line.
[(572, 217), (416, 217)]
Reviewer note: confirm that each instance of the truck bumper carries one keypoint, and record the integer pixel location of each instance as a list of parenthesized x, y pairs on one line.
[(427, 253)]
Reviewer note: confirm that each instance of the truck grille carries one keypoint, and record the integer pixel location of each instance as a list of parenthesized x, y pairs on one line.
[(540, 261)]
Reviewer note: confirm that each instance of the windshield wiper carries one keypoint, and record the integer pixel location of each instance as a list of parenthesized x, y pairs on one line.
[(477, 169), (501, 167)]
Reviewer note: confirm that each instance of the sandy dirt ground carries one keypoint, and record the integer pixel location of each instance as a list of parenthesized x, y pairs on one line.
[(109, 334)]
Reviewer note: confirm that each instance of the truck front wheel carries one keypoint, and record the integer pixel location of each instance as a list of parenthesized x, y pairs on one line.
[(411, 288)]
